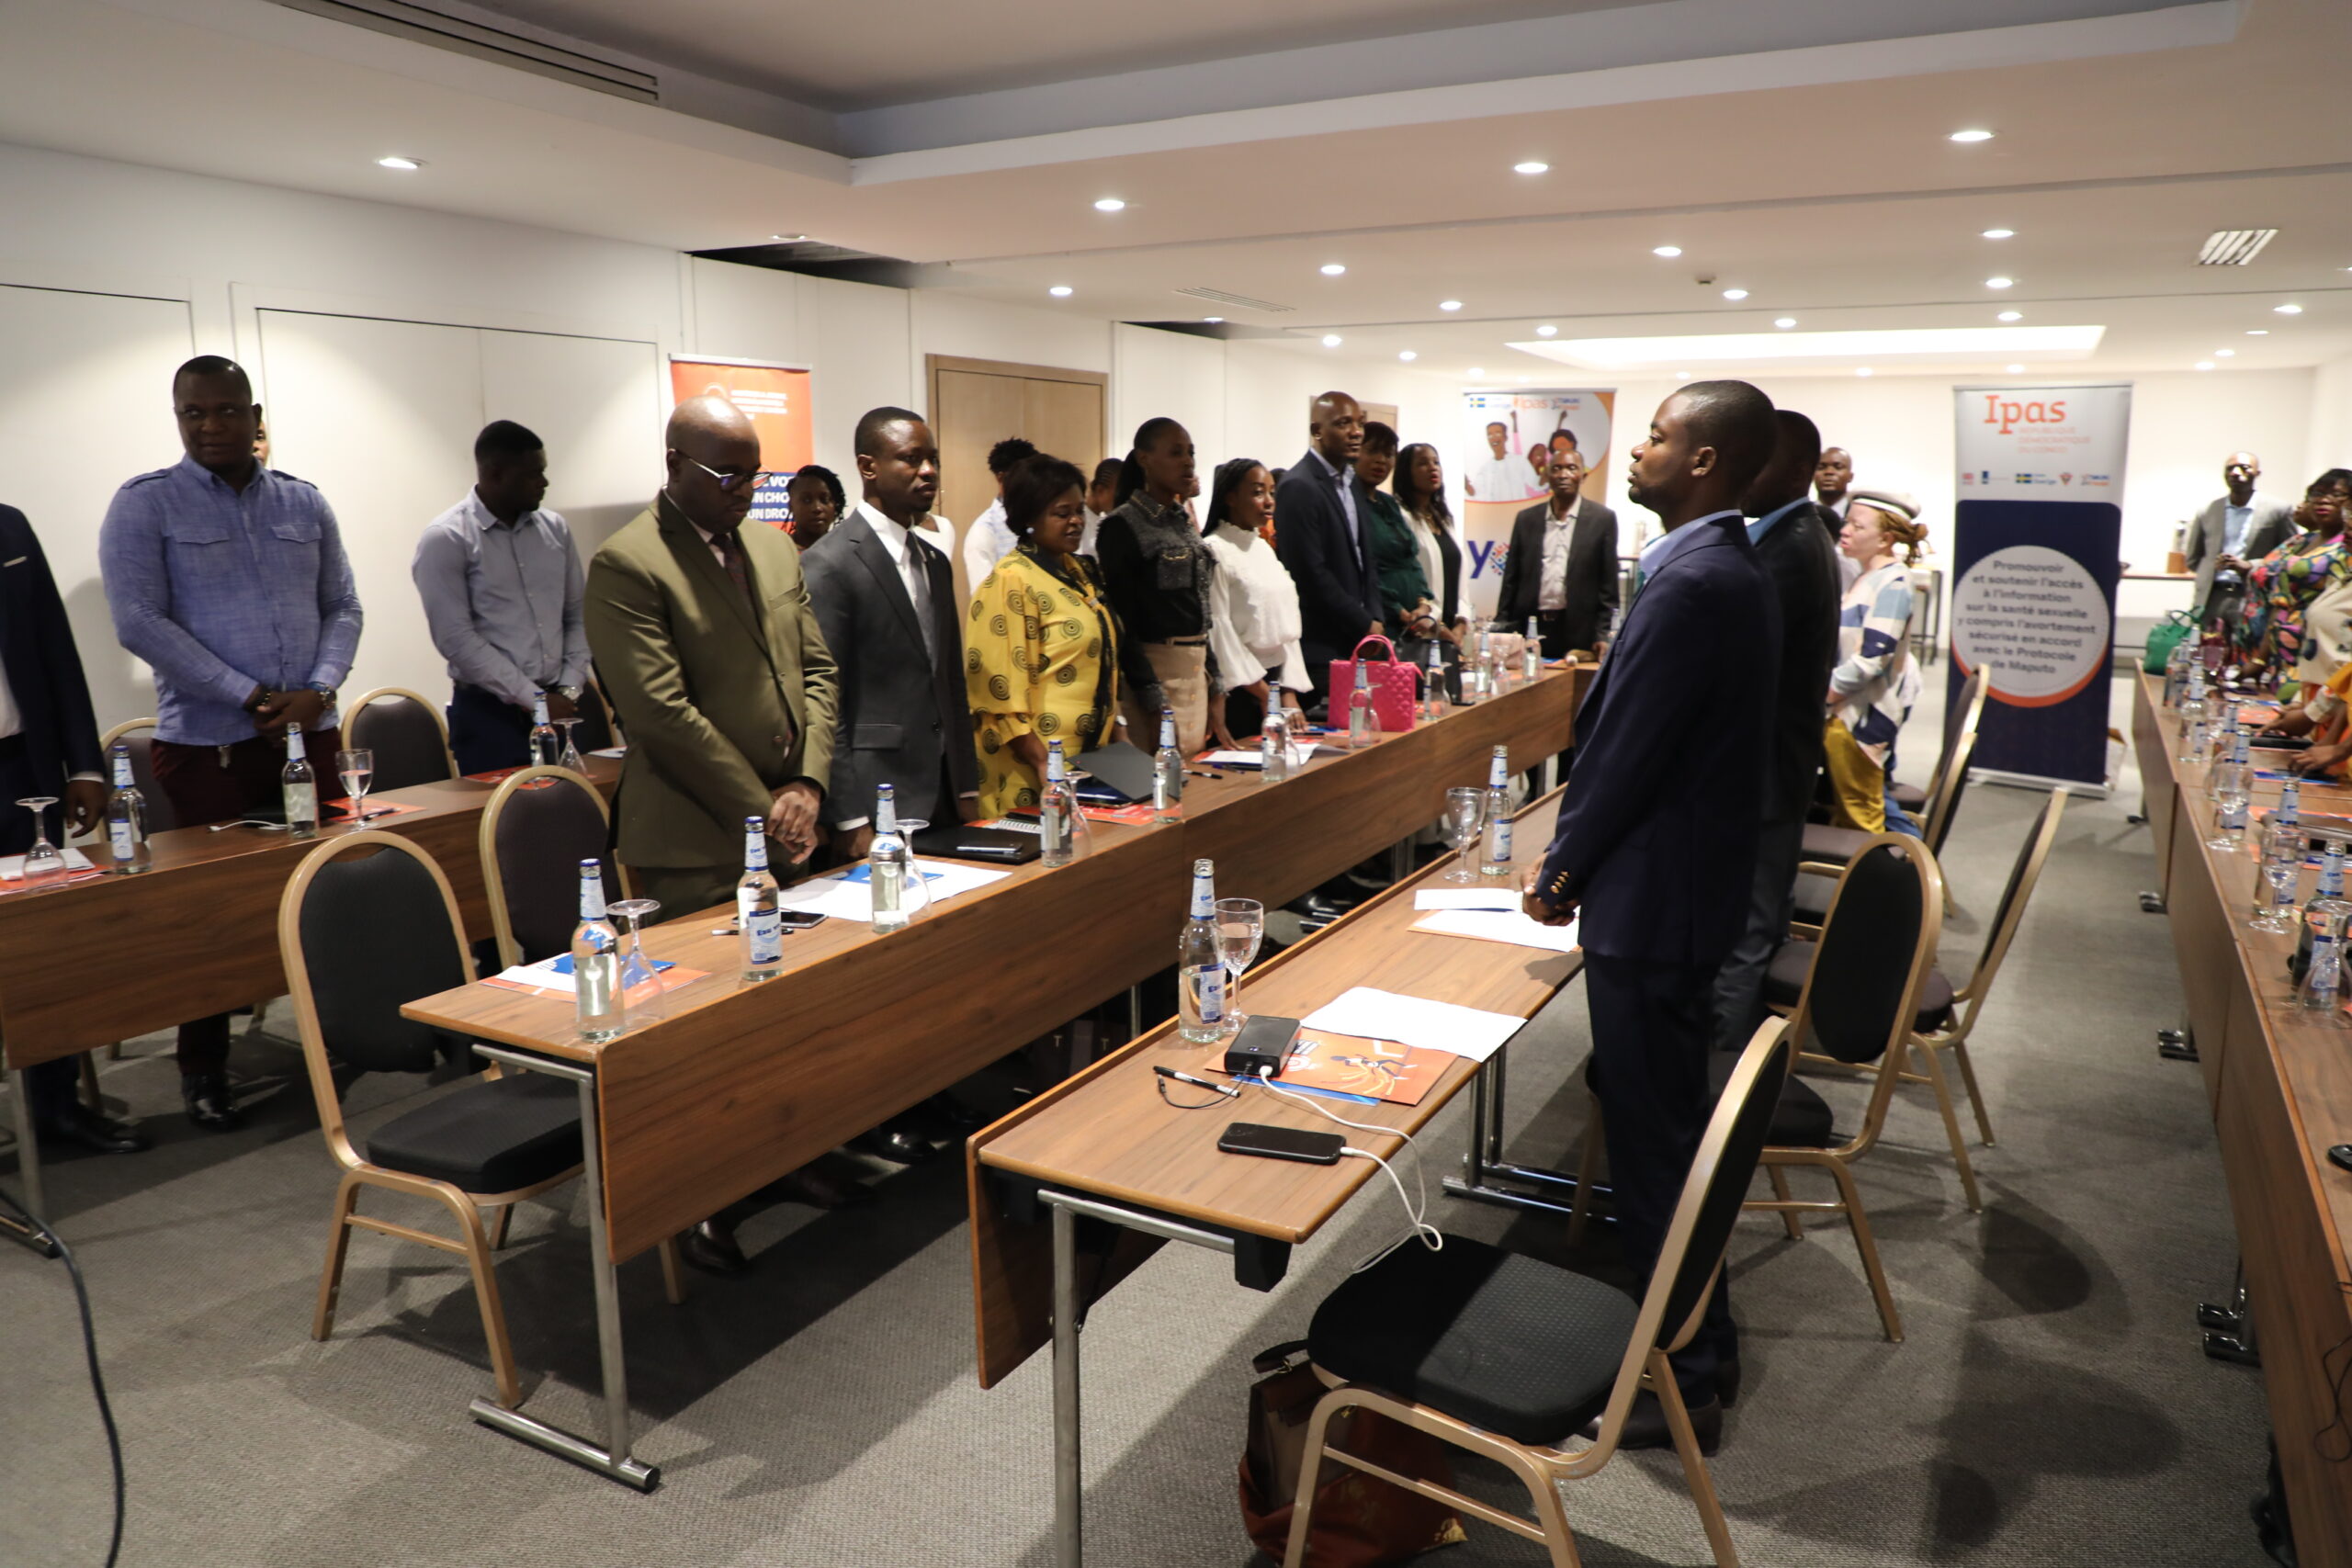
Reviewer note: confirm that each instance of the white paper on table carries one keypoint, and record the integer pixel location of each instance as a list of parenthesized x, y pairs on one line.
[(611, 751), (1253, 758), (1368, 1014), (847, 900), (1501, 925), (12, 867), (1466, 898), (542, 975)]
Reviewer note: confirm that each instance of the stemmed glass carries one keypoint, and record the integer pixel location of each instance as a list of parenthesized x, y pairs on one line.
[(356, 767), (2282, 867), (1240, 926), (640, 981), (1465, 819), (569, 756), (43, 864)]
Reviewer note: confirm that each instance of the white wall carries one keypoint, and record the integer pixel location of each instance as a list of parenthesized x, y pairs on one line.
[(2330, 444)]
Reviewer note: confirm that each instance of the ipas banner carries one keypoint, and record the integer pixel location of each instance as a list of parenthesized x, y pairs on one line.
[(1505, 450), (777, 397), (2034, 569)]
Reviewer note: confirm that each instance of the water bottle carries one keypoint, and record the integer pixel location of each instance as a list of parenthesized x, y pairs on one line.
[(1437, 679), (546, 745), (759, 910), (1495, 855), (1531, 657), (1273, 749), (1481, 684), (890, 864), (2320, 992), (1363, 724), (1200, 965), (1058, 811), (1168, 771), (126, 818), (2176, 673), (2192, 717), (597, 1005), (2233, 788), (2326, 903), (300, 788)]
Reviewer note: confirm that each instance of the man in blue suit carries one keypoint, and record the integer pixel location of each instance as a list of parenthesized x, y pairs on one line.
[(1658, 835), (1322, 537)]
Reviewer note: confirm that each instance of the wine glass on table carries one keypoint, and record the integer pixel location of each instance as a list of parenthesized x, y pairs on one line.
[(44, 865), (1465, 819), (356, 767), (642, 982), (569, 756), (1240, 927)]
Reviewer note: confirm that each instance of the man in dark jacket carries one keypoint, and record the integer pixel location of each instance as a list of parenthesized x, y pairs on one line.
[(1561, 571), (1323, 537)]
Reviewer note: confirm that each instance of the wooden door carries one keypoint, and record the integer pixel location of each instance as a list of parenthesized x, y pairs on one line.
[(975, 403)]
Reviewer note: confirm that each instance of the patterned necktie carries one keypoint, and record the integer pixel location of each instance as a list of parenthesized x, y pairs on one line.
[(730, 556)]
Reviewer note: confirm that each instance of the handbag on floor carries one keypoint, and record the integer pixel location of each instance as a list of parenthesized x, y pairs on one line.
[(1396, 688), (1360, 1522)]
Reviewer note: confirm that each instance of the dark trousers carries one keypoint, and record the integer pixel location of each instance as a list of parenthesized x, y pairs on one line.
[(220, 784), (49, 1086), (487, 732), (1771, 899), (1651, 1025)]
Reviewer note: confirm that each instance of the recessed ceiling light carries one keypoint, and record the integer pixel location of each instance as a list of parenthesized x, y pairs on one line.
[(1407, 356), (1476, 370), (1110, 204), (1682, 375), (2010, 316), (788, 239), (2225, 354), (1971, 136), (2013, 370), (1735, 293), (1333, 269), (1532, 166), (1546, 329), (2288, 310), (1668, 252), (2204, 365), (397, 162), (1449, 304), (2001, 233), (1059, 292), (2258, 332), (1332, 339), (1784, 323), (1212, 320), (1863, 371), (1999, 282)]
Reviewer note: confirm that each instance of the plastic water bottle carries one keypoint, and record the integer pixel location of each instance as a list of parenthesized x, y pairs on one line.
[(1167, 772), (1273, 749), (1363, 724), (1494, 855), (2321, 994), (759, 912), (1200, 965), (598, 1007), (1058, 811), (1531, 657), (889, 865), (546, 745), (300, 788), (126, 847)]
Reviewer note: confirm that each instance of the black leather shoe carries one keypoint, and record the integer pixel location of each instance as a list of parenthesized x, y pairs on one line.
[(811, 1186), (946, 1111), (1645, 1427), (77, 1123), (1727, 1381), (710, 1249), (210, 1105), (896, 1140)]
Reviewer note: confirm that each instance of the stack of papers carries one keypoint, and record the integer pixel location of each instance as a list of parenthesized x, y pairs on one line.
[(1411, 1021), (1500, 925), (1498, 897), (12, 867), (1254, 758), (850, 895)]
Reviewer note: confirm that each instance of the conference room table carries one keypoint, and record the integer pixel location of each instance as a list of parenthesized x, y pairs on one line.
[(2278, 1081), (106, 958), (1103, 1168), (739, 1082)]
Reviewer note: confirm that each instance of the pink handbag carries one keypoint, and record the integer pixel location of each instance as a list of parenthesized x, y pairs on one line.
[(1396, 688)]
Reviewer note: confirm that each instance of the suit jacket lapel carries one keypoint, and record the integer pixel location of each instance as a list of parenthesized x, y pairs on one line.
[(686, 544), (877, 560)]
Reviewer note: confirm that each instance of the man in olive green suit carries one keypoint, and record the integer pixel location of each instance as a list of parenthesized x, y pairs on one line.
[(705, 641)]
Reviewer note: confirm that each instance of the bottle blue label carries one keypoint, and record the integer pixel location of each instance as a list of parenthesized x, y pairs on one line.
[(1208, 983), (764, 932)]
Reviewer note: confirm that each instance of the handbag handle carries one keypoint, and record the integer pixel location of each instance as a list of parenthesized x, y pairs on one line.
[(1370, 637)]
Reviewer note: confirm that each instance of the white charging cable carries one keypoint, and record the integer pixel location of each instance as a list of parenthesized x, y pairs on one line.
[(1415, 1215)]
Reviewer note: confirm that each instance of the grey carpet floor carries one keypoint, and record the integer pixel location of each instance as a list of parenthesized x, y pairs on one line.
[(2049, 1406)]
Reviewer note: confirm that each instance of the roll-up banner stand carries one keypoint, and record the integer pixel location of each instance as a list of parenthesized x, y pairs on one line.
[(1501, 460), (776, 398), (2035, 541)]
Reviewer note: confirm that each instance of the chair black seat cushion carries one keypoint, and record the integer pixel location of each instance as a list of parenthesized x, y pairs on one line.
[(1508, 1343), (1802, 1119), (490, 1135), (1784, 983), (1814, 891), (1834, 845), (1911, 797)]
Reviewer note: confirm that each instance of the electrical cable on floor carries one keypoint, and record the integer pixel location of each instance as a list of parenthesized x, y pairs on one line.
[(90, 1348)]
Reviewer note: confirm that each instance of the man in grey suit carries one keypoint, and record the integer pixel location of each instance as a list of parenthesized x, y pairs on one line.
[(2237, 529), (1562, 569)]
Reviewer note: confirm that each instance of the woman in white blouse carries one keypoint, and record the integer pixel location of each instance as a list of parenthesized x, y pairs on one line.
[(1253, 605)]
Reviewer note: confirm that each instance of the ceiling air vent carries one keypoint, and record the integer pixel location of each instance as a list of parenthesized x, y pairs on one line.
[(2234, 247), (1219, 297), (419, 25)]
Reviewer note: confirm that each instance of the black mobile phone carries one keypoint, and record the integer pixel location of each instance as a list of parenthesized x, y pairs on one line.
[(800, 919), (2340, 1153), (1281, 1143)]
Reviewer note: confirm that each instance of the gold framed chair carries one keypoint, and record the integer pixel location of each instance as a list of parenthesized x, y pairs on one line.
[(1828, 848), (539, 825), (406, 731), (1972, 711), (1503, 1355), (361, 933)]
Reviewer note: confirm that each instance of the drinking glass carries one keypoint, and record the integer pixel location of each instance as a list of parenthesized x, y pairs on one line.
[(356, 766), (1240, 926), (1465, 819), (2230, 796), (908, 828), (43, 865), (569, 756), (2282, 865), (641, 983)]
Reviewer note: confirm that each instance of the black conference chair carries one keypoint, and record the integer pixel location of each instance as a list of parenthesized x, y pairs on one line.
[(409, 736), (1911, 797), (1829, 846), (1504, 1355), (367, 924), (537, 827)]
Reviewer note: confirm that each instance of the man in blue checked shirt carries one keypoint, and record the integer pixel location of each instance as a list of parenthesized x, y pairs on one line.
[(228, 579)]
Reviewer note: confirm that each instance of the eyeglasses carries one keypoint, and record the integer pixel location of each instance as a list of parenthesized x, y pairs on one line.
[(754, 477)]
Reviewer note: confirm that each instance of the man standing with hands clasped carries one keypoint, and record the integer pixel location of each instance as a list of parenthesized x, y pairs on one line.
[(229, 577), (1657, 833)]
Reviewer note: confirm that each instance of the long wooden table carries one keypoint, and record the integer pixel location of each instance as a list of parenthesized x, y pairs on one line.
[(2280, 1085), (741, 1082), (1105, 1148)]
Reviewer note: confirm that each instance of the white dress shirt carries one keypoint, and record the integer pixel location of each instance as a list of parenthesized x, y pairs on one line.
[(1254, 623), (986, 542), (1552, 588)]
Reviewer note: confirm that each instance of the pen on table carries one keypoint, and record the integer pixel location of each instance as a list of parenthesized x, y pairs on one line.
[(1226, 1089)]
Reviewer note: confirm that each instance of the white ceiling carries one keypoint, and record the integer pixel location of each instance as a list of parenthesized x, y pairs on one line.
[(1814, 173)]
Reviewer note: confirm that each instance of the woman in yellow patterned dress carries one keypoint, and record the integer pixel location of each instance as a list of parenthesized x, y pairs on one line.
[(1044, 657)]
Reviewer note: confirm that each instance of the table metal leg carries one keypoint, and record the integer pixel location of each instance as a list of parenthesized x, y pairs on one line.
[(613, 1460), (1069, 1492), (27, 1146), (1485, 1169), (1134, 1012)]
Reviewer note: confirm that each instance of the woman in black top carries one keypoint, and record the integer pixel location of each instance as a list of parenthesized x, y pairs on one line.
[(1418, 486), (1156, 575)]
